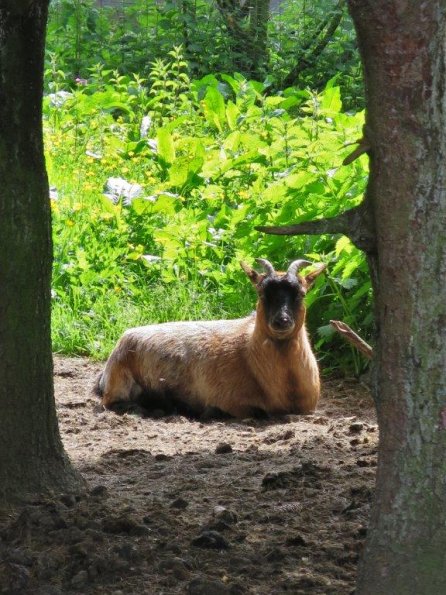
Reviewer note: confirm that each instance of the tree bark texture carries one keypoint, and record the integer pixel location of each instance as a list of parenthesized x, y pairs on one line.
[(403, 48), (32, 459)]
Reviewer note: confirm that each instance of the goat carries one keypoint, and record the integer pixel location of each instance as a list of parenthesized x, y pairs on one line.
[(261, 362)]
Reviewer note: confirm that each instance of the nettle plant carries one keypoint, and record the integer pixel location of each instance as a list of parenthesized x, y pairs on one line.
[(211, 159)]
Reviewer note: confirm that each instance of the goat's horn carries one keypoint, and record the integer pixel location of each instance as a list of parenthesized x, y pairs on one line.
[(266, 265), (296, 265)]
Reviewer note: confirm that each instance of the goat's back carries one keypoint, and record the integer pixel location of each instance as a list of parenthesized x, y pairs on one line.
[(202, 363)]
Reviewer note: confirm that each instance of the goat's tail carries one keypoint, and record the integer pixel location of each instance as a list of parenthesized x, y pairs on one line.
[(98, 387)]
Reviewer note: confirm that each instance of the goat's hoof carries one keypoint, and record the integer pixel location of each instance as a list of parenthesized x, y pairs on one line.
[(260, 414), (122, 407)]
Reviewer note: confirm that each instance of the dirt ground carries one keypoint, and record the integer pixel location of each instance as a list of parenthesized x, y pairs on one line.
[(176, 505)]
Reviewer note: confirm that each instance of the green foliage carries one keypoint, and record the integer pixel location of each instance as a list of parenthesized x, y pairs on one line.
[(131, 36), (138, 36), (292, 35), (216, 158)]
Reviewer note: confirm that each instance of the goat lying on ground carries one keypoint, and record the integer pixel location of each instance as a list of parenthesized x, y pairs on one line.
[(263, 361)]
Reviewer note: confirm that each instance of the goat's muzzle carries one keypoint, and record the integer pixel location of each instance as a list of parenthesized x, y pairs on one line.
[(282, 326)]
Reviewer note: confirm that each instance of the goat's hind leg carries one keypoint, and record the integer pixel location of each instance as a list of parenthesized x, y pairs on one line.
[(118, 389)]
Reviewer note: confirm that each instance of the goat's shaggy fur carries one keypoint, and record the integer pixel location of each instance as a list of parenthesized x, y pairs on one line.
[(263, 361)]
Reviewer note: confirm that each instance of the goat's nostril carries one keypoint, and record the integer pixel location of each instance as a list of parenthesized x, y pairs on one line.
[(282, 322)]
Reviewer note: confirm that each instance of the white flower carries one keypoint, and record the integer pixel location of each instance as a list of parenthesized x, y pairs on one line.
[(59, 98), (153, 144), (151, 258), (117, 188), (146, 125), (283, 174), (93, 155), (217, 234)]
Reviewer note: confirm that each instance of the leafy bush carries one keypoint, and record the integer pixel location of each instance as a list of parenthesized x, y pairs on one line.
[(206, 161), (131, 36), (293, 38)]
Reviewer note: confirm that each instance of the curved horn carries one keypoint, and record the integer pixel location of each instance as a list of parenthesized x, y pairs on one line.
[(266, 265), (296, 265)]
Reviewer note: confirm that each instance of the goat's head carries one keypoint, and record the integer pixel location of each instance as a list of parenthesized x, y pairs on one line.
[(281, 296)]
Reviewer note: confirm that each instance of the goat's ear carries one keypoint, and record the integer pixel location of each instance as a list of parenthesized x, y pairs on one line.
[(252, 274), (311, 277)]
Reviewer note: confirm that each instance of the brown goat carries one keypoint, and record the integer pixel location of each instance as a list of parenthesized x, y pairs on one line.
[(261, 362)]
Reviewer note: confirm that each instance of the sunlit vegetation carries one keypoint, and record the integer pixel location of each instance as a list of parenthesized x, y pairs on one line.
[(157, 189)]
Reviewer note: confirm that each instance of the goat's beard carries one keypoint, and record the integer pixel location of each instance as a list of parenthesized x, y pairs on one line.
[(282, 335)]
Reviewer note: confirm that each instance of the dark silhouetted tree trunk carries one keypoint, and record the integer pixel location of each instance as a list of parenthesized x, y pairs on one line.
[(401, 225), (31, 455)]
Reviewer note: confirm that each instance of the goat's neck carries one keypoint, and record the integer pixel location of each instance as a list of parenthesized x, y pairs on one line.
[(286, 370)]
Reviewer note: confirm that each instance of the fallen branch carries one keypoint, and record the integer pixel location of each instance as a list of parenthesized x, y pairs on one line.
[(349, 335)]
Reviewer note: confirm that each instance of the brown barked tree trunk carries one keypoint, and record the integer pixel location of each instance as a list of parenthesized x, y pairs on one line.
[(403, 47), (401, 225), (32, 460)]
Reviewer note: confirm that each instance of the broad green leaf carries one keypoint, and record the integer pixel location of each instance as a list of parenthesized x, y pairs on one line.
[(342, 244), (116, 105), (299, 180), (275, 192), (273, 101), (108, 206), (183, 168), (214, 108), (141, 205), (166, 148), (331, 101), (232, 114), (167, 204), (232, 142)]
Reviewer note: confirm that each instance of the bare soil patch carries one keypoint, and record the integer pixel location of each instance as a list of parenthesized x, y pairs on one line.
[(175, 505)]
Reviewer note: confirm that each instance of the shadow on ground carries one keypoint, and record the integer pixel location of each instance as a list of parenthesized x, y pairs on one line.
[(176, 505)]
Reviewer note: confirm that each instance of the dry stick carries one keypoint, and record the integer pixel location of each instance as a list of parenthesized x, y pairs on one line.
[(363, 147), (349, 335)]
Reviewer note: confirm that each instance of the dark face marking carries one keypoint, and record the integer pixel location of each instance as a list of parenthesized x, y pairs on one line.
[(282, 298)]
